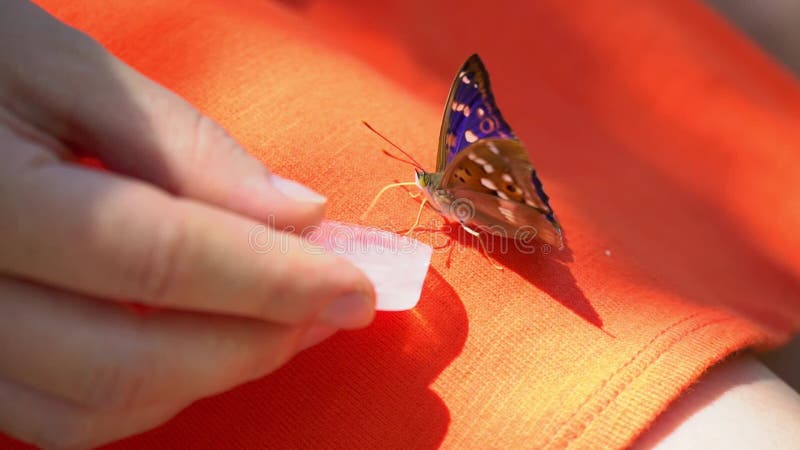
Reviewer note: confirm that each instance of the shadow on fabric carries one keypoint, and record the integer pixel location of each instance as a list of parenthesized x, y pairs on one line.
[(322, 399), (547, 271)]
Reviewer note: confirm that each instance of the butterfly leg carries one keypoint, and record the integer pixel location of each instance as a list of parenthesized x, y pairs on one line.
[(384, 189), (419, 214), (483, 246)]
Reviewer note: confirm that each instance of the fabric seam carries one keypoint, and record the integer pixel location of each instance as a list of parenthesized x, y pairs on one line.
[(655, 339), (633, 378)]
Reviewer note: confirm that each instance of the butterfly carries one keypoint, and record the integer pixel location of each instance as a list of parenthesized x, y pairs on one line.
[(484, 179)]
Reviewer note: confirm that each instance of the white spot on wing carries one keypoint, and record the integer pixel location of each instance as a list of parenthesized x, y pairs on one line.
[(493, 148), (471, 156), (507, 213), (466, 111), (480, 161), (488, 168), (488, 184), (465, 79), (507, 178), (470, 136), (502, 195), (481, 112)]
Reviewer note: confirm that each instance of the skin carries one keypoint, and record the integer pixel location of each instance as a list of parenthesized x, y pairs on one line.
[(167, 226), (739, 404)]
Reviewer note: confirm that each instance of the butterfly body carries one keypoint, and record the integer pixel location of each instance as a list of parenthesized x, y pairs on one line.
[(484, 178)]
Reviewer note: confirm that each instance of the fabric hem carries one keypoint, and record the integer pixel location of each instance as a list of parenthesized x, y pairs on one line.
[(624, 405)]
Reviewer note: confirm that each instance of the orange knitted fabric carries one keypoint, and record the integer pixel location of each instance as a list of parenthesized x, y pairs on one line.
[(668, 145)]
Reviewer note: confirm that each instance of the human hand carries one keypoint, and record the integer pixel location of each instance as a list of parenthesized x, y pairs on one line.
[(166, 226)]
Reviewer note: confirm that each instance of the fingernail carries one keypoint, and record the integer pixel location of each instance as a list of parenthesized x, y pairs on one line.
[(348, 311), (296, 191)]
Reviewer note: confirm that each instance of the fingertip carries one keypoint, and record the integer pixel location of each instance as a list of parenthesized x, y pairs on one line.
[(283, 204), (295, 205), (315, 335), (350, 310), (353, 303), (297, 191)]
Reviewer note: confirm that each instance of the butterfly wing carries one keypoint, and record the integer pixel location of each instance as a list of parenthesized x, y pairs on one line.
[(470, 113), (496, 175), (506, 218)]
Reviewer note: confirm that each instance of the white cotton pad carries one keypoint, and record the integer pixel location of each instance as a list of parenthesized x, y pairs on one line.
[(395, 264)]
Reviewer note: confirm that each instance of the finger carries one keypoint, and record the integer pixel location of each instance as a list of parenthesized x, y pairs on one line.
[(51, 422), (133, 125), (104, 356), (315, 335), (99, 234)]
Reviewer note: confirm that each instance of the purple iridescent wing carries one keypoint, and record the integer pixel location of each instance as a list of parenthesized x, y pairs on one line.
[(479, 152), (470, 113)]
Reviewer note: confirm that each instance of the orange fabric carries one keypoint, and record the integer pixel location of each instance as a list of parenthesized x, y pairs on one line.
[(660, 134)]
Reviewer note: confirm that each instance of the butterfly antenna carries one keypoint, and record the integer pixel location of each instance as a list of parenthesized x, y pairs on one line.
[(386, 152), (411, 159)]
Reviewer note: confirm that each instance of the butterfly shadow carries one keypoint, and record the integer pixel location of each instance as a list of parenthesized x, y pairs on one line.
[(539, 264)]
